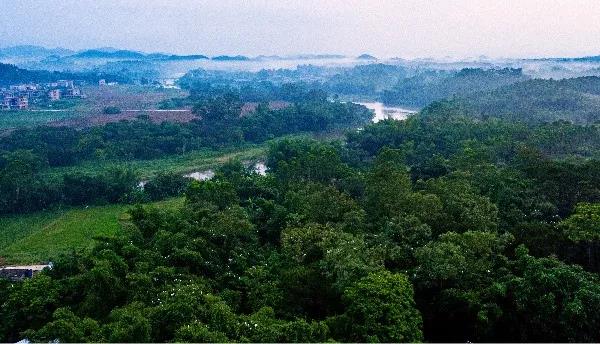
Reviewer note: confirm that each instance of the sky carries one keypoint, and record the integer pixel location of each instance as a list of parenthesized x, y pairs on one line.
[(385, 28)]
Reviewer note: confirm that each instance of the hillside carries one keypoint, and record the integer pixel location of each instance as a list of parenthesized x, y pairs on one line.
[(576, 100), (127, 54), (11, 74), (133, 55), (430, 86), (32, 51), (368, 79)]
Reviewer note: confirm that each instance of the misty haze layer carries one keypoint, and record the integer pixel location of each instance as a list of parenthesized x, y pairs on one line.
[(385, 28)]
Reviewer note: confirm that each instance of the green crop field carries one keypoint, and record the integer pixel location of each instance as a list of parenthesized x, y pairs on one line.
[(25, 118), (40, 237)]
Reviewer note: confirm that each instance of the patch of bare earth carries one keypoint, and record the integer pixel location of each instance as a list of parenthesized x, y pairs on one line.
[(156, 116)]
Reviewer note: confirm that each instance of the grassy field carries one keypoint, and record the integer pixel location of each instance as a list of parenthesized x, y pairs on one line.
[(18, 119), (189, 162), (41, 236)]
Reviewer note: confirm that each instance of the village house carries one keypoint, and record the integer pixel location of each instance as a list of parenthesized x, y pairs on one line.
[(19, 273), (14, 102), (54, 94), (19, 97)]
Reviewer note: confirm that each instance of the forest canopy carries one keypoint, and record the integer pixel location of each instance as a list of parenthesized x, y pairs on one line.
[(441, 227)]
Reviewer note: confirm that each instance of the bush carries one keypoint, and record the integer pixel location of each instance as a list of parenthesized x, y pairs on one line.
[(111, 110)]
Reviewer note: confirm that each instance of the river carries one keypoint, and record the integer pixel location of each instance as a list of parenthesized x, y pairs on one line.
[(387, 112), (258, 167)]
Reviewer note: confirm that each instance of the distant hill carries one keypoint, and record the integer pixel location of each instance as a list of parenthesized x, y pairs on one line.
[(119, 54), (33, 51), (368, 79), (430, 86), (586, 59), (166, 57), (110, 53), (10, 75), (594, 58), (318, 56), (231, 58), (366, 57), (575, 100)]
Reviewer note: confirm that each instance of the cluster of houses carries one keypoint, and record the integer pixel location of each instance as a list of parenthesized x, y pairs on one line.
[(19, 97)]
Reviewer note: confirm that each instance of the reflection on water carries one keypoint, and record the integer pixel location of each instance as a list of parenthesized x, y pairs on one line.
[(387, 112), (200, 175), (258, 167)]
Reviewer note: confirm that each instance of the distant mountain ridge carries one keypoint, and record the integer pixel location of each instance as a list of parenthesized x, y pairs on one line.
[(366, 57), (33, 51), (231, 58), (10, 74), (25, 51), (430, 86), (127, 54), (575, 100), (134, 55)]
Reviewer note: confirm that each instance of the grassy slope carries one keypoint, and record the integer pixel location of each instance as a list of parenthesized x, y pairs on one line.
[(41, 236), (189, 162)]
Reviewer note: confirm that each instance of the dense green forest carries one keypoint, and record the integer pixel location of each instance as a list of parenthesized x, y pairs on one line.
[(10, 75), (366, 80), (474, 220), (575, 100), (432, 85), (442, 227), (25, 154), (392, 84)]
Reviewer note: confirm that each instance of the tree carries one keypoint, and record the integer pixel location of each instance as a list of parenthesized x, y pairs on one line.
[(380, 308), (457, 283), (220, 119), (218, 192), (165, 185), (315, 203), (67, 327), (111, 110), (548, 300), (128, 324), (29, 305), (582, 235), (464, 208), (583, 224), (197, 332), (305, 160)]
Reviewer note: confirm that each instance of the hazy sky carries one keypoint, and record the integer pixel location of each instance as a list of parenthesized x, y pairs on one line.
[(419, 28)]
